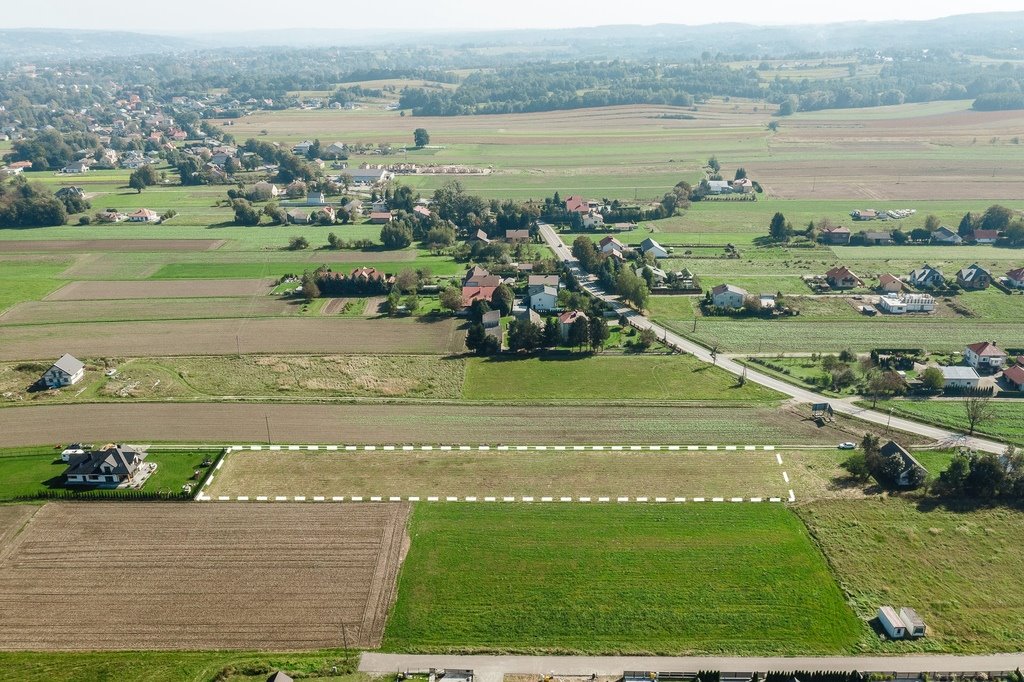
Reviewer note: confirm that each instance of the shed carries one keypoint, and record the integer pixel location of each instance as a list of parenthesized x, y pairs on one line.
[(914, 623), (891, 622)]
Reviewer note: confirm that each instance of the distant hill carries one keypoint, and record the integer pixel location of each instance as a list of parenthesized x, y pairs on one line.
[(989, 33)]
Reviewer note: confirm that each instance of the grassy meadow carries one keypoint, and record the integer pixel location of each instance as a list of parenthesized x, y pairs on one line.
[(1006, 423), (743, 579)]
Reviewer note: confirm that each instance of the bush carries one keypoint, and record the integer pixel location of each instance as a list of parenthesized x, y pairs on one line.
[(298, 244), (84, 220)]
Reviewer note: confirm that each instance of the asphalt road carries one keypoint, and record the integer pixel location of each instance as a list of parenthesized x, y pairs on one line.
[(843, 406), (493, 668)]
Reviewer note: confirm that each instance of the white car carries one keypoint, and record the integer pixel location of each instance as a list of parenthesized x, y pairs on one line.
[(847, 446), (111, 372)]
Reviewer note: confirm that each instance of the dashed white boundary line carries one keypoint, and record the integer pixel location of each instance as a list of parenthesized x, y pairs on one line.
[(203, 497)]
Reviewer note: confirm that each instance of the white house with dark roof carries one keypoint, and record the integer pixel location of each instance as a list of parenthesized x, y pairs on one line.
[(926, 277), (649, 246), (66, 371), (113, 466)]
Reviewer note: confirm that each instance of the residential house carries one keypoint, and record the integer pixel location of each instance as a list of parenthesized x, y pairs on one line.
[(267, 189), (543, 281), (380, 205), (76, 167), (491, 321), (72, 192), (354, 207), (910, 465), (926, 277), (529, 315), (960, 377), (946, 236), (421, 211), (985, 356), (315, 199), (728, 296), (380, 217), (719, 187), (841, 277), (472, 294), (609, 244), (297, 216), (974, 278), (577, 204), (592, 219), (743, 186), (649, 246), (543, 298), (1014, 377), (302, 148), (835, 235), (480, 277), (985, 236), (366, 275), (890, 284), (279, 677), (110, 216), (66, 371), (144, 215), (658, 276), (481, 237), (878, 238), (567, 319), (334, 150), (369, 176), (514, 235), (1015, 278), (113, 466)]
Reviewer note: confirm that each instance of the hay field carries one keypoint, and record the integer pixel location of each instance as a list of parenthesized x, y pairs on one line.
[(493, 473), (108, 245), (190, 576), (417, 424), (97, 290), (227, 337)]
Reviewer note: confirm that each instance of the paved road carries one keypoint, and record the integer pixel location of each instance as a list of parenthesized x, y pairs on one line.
[(843, 406), (493, 668)]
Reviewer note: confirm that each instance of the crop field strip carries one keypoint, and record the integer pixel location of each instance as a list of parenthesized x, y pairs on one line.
[(502, 473), (147, 289), (190, 577)]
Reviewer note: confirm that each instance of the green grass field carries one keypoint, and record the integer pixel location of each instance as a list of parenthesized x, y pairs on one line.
[(26, 472), (743, 579), (179, 666), (959, 570), (1006, 423), (668, 378), (28, 280)]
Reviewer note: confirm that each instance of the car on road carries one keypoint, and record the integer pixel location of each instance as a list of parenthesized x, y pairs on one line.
[(847, 446)]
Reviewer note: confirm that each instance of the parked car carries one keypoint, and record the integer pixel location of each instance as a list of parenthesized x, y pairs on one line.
[(847, 446)]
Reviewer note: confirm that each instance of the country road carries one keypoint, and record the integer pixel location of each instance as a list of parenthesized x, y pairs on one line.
[(673, 340), (493, 668)]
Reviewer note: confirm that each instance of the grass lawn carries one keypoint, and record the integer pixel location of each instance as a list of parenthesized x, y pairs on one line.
[(25, 472), (1006, 423), (742, 579), (28, 280), (179, 666), (959, 569), (605, 377)]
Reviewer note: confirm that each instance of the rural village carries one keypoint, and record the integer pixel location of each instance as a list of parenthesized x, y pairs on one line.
[(312, 368)]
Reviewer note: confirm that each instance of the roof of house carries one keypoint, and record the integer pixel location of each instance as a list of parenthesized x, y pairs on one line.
[(969, 273), (68, 364), (279, 677), (945, 233), (840, 273), (722, 288), (893, 448), (836, 230), (365, 273), (877, 236), (987, 349), (530, 315), (1017, 274), (570, 316), (144, 213), (380, 215), (121, 459), (955, 373), (648, 244), (472, 294), (1015, 374), (986, 234), (577, 204), (925, 272), (517, 234), (543, 280), (421, 210), (611, 240), (491, 318), (298, 214), (889, 279)]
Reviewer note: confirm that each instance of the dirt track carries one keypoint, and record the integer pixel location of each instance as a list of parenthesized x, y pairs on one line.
[(426, 424), (183, 288), (115, 576), (107, 245), (218, 337)]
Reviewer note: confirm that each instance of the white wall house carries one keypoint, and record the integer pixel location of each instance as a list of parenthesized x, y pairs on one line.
[(960, 377), (985, 356), (544, 298), (728, 296), (65, 372)]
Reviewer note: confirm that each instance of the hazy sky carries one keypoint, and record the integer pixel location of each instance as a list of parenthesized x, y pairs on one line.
[(215, 15)]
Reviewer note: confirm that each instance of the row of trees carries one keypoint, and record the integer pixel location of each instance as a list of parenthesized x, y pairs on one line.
[(615, 276)]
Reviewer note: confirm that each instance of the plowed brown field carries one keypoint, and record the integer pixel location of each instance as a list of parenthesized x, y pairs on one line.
[(101, 576), (185, 288), (107, 245)]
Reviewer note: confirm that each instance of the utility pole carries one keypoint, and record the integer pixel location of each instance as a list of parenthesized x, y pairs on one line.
[(238, 346), (267, 418)]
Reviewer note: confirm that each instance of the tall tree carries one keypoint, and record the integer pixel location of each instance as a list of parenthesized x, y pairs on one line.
[(779, 230), (978, 410), (421, 137)]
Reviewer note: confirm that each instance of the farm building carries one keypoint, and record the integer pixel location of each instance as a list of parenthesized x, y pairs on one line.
[(910, 465), (944, 235), (891, 622), (974, 277), (380, 218), (370, 176), (1014, 377), (649, 246), (113, 466), (864, 214), (836, 236), (719, 187), (298, 217), (515, 235), (960, 377), (1015, 278), (842, 277), (878, 238), (985, 236), (985, 356), (728, 296), (67, 371)]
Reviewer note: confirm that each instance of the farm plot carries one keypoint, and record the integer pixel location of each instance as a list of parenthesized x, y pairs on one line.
[(107, 245), (501, 473), (227, 337), (616, 579), (188, 576), (416, 424), (63, 312), (959, 569), (205, 288)]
